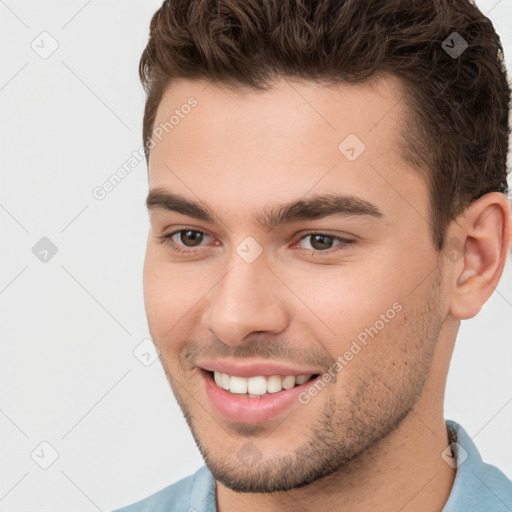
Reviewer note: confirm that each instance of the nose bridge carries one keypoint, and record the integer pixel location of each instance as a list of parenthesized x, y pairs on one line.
[(244, 301)]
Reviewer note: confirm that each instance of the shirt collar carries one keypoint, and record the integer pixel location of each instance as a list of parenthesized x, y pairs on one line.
[(478, 486)]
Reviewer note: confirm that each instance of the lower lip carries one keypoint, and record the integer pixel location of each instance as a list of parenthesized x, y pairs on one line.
[(244, 409)]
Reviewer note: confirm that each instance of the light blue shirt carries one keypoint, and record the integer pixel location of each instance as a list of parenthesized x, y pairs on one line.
[(478, 487)]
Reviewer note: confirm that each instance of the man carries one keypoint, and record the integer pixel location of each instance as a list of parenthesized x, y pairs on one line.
[(327, 203)]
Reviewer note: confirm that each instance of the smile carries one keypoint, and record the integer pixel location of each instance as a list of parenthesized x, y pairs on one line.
[(259, 385), (256, 398)]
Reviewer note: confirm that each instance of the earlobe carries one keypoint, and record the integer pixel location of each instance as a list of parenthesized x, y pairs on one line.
[(485, 233)]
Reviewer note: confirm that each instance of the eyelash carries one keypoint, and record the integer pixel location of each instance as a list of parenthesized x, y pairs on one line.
[(167, 240)]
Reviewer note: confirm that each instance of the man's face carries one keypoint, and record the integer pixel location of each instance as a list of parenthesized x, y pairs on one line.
[(354, 293)]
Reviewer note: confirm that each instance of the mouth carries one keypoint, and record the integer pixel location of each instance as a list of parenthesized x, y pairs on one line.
[(254, 399), (260, 385)]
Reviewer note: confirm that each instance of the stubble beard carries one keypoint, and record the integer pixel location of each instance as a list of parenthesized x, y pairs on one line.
[(347, 426)]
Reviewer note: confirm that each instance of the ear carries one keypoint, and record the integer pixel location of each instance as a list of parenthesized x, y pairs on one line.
[(479, 246)]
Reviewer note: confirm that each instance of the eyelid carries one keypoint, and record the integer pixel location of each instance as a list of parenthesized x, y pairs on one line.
[(343, 241), (168, 237)]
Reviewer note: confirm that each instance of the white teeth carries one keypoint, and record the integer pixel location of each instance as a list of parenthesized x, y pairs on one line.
[(257, 386), (225, 381), (289, 382), (238, 385), (274, 384)]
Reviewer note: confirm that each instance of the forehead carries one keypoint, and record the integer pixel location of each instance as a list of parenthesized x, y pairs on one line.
[(281, 143), (289, 108)]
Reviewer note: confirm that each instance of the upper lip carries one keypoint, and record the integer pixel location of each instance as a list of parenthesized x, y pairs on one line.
[(251, 368)]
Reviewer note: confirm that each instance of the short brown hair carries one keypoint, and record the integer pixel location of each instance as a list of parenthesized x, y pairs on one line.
[(457, 132)]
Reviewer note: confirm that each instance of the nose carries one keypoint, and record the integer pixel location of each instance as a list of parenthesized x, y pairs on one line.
[(247, 299)]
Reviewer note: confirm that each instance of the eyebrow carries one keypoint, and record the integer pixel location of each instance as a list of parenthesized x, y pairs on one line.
[(315, 207)]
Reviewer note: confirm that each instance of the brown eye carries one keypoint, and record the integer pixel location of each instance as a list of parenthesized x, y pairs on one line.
[(324, 243), (190, 238), (185, 241), (321, 242)]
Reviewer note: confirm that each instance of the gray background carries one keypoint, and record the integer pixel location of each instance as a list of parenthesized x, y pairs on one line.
[(70, 325)]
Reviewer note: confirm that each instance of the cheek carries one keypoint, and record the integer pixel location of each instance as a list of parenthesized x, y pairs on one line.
[(161, 295), (346, 300), (171, 295)]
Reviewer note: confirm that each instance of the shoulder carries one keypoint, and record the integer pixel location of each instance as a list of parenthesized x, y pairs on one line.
[(478, 486), (195, 493)]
